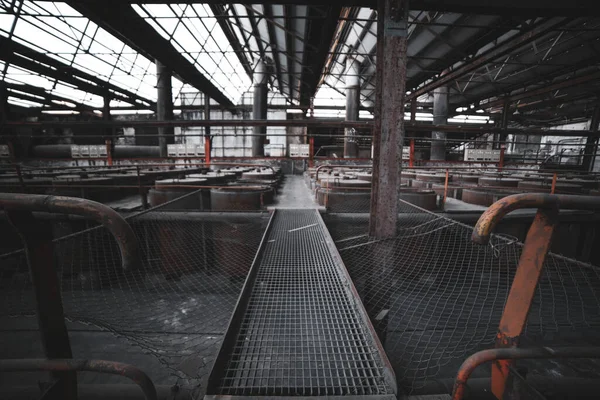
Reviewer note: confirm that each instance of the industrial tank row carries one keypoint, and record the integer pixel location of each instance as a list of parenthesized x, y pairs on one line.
[(349, 189), (227, 188)]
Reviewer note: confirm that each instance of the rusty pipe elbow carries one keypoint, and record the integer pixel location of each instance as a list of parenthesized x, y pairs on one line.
[(494, 214), (111, 220)]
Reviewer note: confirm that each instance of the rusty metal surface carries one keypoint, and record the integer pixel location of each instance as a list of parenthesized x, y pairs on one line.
[(498, 210), (39, 250), (70, 365), (481, 357), (69, 205), (529, 270), (522, 291), (388, 131)]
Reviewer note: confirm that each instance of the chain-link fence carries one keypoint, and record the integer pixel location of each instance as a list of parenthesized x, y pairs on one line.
[(174, 308), (435, 297)]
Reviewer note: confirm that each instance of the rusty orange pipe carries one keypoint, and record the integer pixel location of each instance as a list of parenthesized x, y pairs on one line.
[(481, 357), (490, 218), (120, 229)]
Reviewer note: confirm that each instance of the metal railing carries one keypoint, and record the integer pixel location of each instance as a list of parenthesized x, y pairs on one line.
[(37, 238), (528, 273)]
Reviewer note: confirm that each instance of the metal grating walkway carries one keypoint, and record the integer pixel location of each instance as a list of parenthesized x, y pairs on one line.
[(299, 328)]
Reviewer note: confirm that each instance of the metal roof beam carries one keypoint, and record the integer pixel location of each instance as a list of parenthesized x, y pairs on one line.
[(320, 35), (27, 92), (491, 55), (30, 59), (121, 20), (506, 7), (219, 9)]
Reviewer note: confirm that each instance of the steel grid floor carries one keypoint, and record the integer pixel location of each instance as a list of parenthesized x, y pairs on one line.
[(301, 328)]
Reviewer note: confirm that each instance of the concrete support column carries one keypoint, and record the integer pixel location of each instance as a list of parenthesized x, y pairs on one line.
[(352, 105), (259, 108), (440, 117), (164, 106), (388, 130)]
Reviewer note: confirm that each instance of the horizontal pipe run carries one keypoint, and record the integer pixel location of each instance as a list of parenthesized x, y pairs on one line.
[(109, 218), (102, 366), (311, 123), (515, 353)]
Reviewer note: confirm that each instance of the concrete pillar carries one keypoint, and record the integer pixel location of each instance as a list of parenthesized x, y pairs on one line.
[(440, 117), (164, 106), (352, 105), (388, 130), (259, 108)]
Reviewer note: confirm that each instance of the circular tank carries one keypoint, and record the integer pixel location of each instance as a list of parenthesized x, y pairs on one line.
[(240, 198), (214, 178), (499, 182), (437, 178), (164, 192), (483, 197), (260, 174), (466, 179), (426, 199), (545, 187)]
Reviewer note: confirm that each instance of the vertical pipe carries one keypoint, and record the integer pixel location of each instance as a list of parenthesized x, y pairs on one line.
[(109, 158), (446, 186), (440, 117), (259, 108), (413, 110), (501, 161), (505, 120), (207, 151), (411, 154), (109, 133), (553, 188), (164, 106), (388, 131), (207, 137), (352, 105), (311, 151)]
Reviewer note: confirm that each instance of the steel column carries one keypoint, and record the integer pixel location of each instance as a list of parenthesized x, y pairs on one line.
[(109, 132), (591, 144), (388, 132), (352, 105), (207, 137), (440, 117), (259, 108), (164, 106)]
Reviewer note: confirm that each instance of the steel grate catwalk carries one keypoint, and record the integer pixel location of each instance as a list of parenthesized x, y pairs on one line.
[(299, 328)]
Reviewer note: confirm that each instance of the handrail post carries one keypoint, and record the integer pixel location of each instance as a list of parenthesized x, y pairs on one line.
[(39, 250), (536, 247)]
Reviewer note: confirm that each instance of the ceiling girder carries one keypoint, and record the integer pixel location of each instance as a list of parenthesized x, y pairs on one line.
[(121, 20)]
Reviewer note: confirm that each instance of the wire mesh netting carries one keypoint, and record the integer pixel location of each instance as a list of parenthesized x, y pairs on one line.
[(302, 333), (175, 307), (435, 297)]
